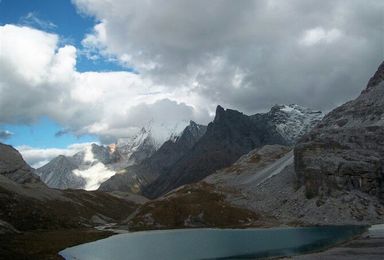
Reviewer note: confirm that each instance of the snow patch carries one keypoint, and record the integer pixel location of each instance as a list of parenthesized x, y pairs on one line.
[(293, 121), (94, 175), (88, 154)]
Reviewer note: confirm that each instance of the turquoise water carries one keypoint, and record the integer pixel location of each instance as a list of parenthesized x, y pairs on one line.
[(211, 243)]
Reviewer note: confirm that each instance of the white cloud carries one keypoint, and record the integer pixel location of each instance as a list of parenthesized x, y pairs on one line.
[(95, 175), (32, 19), (26, 53), (37, 157), (39, 77), (191, 56), (319, 35)]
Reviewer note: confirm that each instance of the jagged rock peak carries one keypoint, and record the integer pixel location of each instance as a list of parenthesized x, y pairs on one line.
[(192, 123), (219, 113), (376, 78), (222, 113), (60, 158), (194, 129)]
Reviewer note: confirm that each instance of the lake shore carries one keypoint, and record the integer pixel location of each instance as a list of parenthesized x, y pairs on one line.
[(370, 245), (47, 244), (41, 245)]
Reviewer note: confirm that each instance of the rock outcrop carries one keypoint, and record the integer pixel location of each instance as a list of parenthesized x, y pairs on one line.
[(13, 166), (345, 151)]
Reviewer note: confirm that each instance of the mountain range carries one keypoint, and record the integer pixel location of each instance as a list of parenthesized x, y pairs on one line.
[(289, 166), (89, 168), (230, 135), (144, 166)]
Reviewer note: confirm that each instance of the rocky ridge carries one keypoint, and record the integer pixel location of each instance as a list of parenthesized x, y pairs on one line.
[(274, 200), (13, 166), (27, 204), (84, 170), (135, 177), (345, 151), (229, 136), (75, 172)]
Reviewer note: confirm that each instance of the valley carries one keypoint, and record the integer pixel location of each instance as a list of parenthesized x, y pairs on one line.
[(288, 167)]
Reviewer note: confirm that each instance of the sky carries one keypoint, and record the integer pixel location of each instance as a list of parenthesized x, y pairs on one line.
[(74, 72)]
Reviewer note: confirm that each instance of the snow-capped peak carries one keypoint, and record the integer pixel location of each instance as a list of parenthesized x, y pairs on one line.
[(292, 121), (147, 140), (86, 169)]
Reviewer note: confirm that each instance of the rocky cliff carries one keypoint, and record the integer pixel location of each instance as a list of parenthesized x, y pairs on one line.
[(13, 166), (230, 135), (345, 151)]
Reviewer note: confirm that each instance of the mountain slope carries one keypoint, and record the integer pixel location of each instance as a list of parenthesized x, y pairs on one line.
[(345, 152), (89, 168), (259, 189), (293, 121), (13, 166), (147, 141), (30, 205), (58, 173), (231, 135), (134, 150), (135, 177), (84, 170)]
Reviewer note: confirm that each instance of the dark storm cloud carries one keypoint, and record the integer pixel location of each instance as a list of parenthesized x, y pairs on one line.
[(246, 54)]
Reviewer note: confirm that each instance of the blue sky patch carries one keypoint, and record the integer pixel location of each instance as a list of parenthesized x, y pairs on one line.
[(59, 17), (42, 134)]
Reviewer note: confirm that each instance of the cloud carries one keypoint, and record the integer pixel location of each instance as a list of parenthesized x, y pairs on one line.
[(39, 77), (94, 175), (5, 134), (190, 56), (244, 54), (37, 157), (32, 19), (62, 132), (319, 35)]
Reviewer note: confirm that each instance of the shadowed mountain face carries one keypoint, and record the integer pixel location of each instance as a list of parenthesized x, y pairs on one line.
[(200, 151), (346, 149), (14, 167), (229, 136), (135, 177), (27, 204), (58, 173)]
